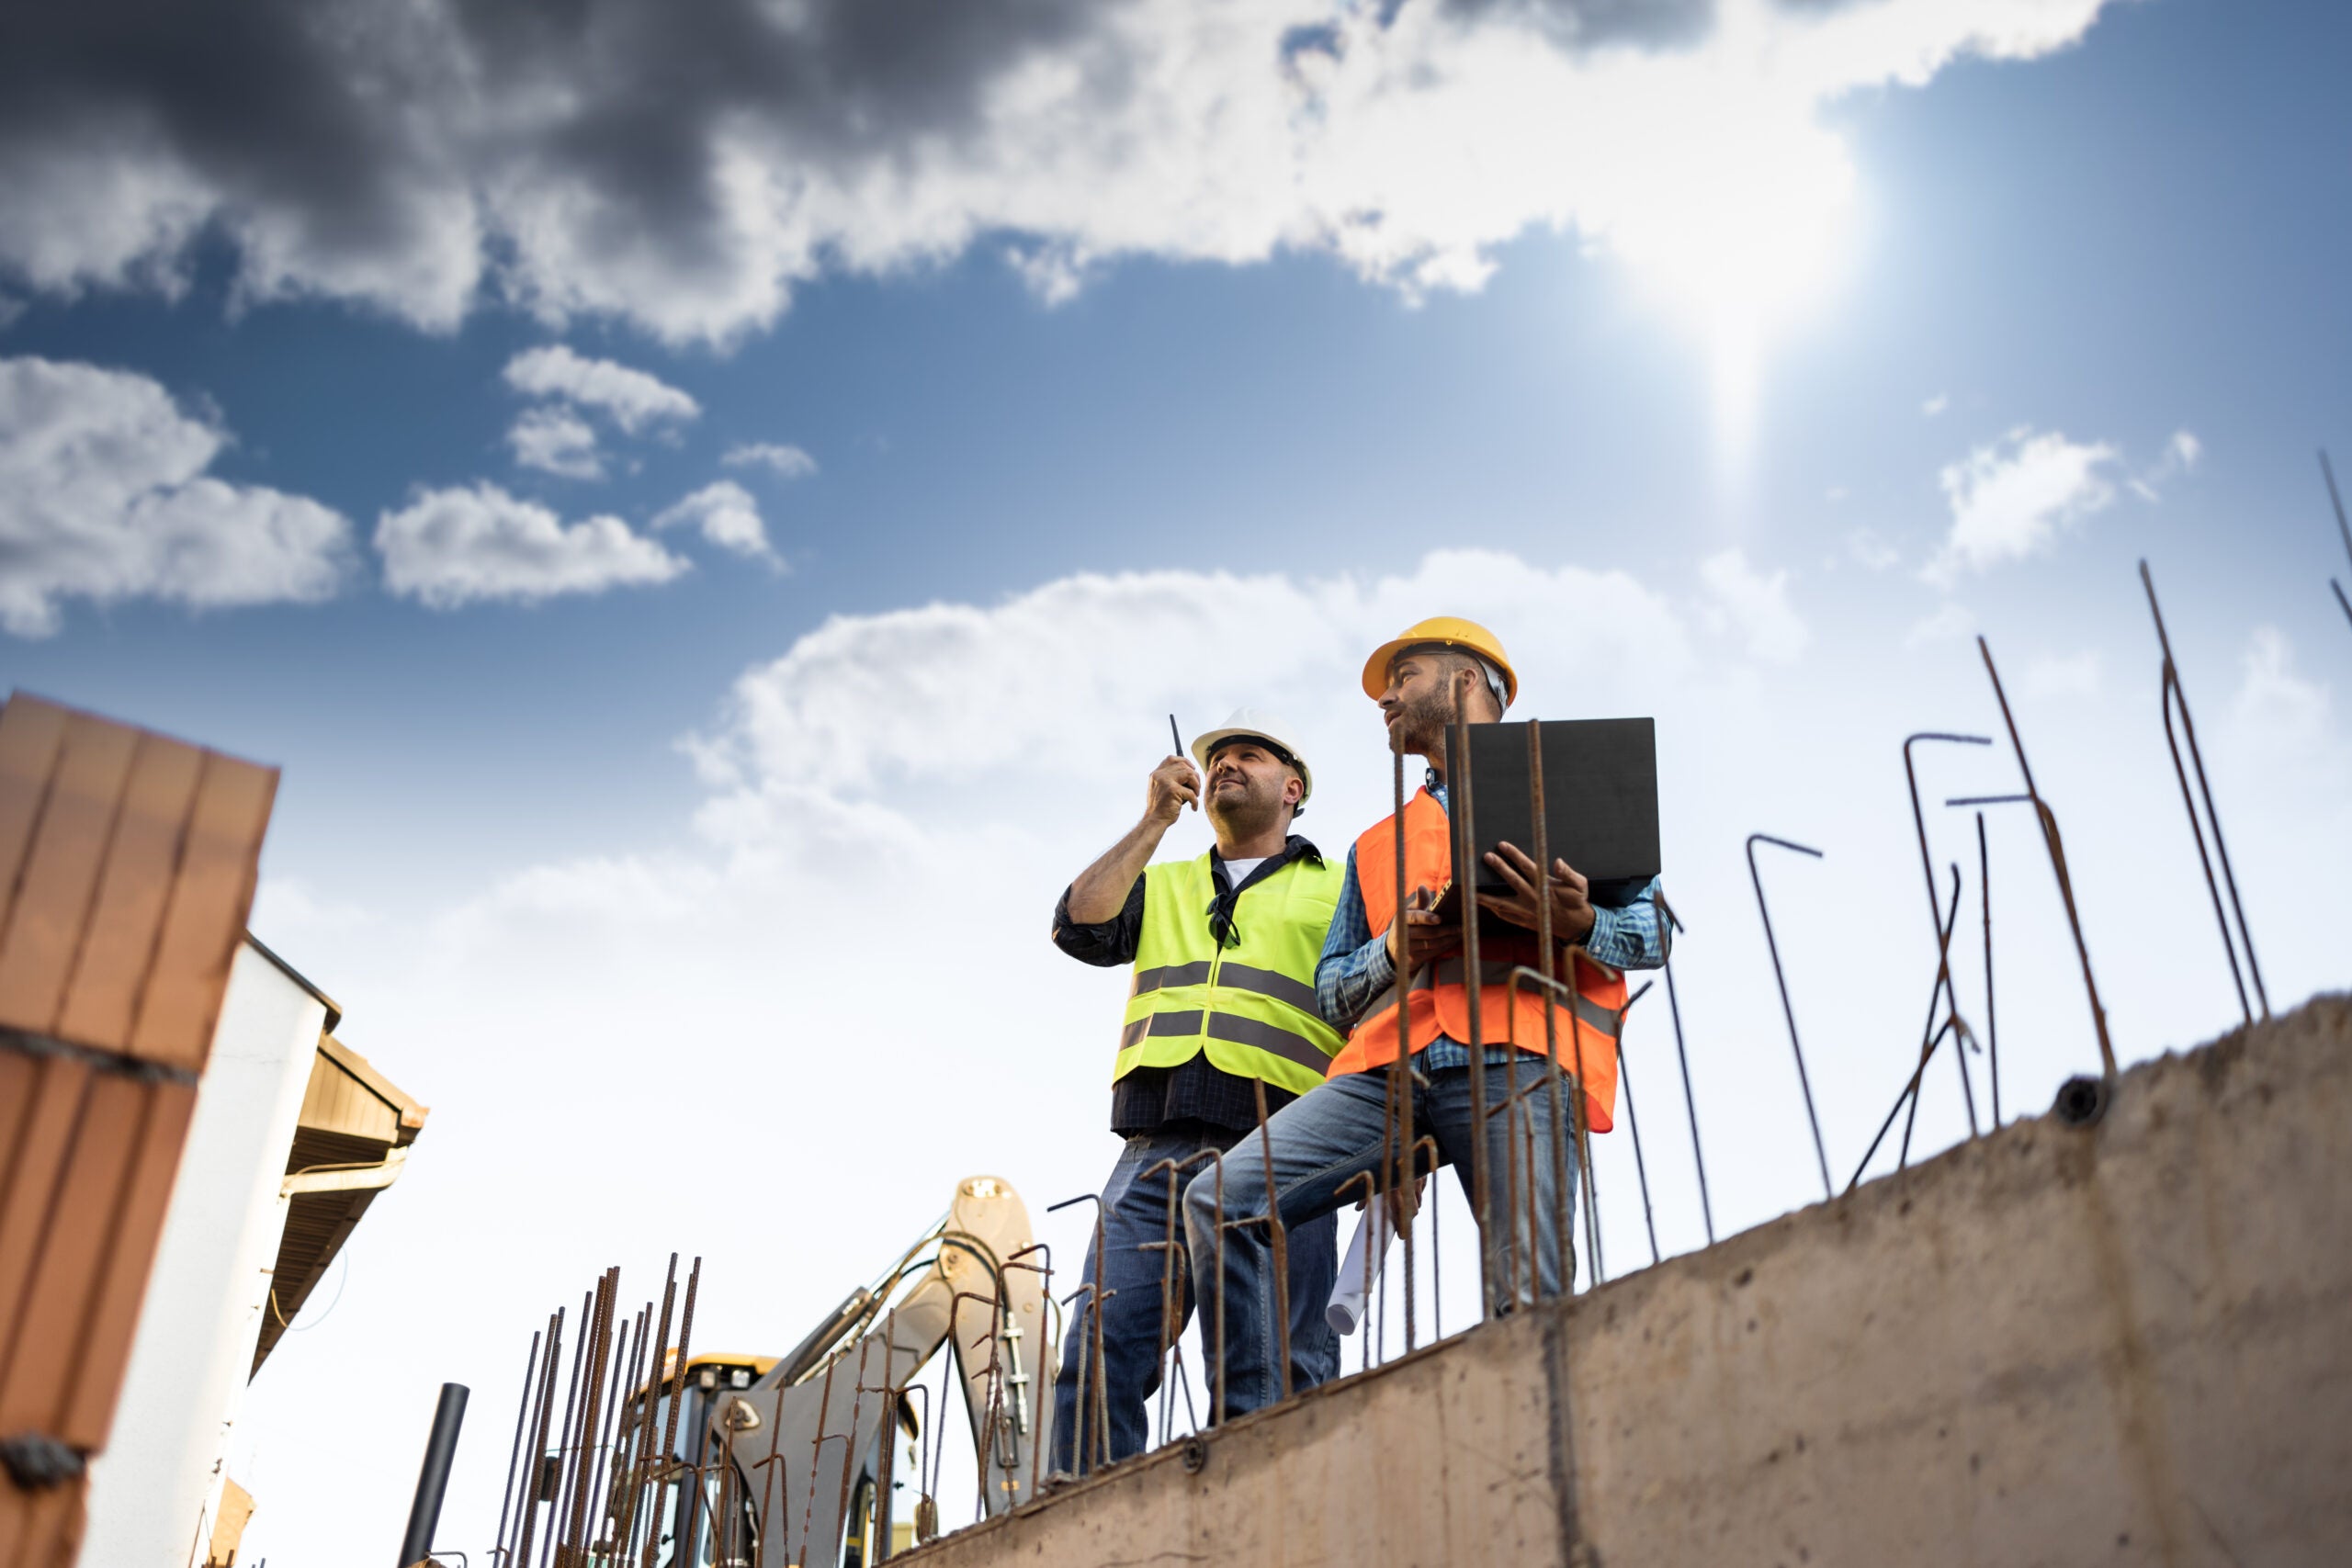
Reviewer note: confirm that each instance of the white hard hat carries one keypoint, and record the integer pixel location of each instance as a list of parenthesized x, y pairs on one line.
[(1258, 724)]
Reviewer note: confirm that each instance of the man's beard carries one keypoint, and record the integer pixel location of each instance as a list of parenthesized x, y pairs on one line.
[(1420, 726), (1248, 813)]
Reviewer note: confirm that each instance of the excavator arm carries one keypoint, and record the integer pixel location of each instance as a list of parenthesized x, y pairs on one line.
[(811, 1440)]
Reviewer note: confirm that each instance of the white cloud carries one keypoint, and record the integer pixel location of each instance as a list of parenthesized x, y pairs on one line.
[(2011, 500), (631, 399), (2182, 455), (1935, 405), (726, 515), (2070, 675), (867, 706), (685, 173), (105, 494), (558, 440), (1754, 606), (2274, 699), (787, 461), (449, 547), (1949, 623), (1056, 274)]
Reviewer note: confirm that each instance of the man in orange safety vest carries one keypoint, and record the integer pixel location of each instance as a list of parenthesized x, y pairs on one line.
[(1438, 669)]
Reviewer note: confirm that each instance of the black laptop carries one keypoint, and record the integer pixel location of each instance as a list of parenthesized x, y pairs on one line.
[(1599, 802)]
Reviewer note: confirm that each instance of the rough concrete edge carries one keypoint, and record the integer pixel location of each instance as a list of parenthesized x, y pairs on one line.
[(2212, 1060), (1175, 1452)]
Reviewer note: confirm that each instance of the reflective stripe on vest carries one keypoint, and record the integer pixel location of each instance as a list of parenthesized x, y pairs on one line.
[(1251, 1006), (1437, 999), (1449, 972)]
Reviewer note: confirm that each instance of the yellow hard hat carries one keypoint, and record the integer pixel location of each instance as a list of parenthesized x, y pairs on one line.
[(1442, 631)]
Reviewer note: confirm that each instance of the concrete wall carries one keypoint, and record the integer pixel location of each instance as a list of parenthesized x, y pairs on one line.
[(2126, 1343), (154, 1489)]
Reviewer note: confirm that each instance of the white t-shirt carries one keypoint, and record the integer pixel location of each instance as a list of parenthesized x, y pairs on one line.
[(1236, 872)]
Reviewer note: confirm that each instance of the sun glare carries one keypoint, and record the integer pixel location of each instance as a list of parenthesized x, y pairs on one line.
[(1741, 231)]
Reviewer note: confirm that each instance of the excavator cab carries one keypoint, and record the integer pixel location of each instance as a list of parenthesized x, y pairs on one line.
[(804, 1460), (695, 1518)]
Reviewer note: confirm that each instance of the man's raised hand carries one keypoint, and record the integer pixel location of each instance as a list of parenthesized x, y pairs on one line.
[(1174, 786)]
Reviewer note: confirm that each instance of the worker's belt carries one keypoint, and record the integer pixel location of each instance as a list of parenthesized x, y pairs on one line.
[(1239, 977), (1452, 972), (1268, 1037)]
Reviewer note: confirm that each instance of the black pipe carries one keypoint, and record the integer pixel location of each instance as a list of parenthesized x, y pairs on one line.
[(433, 1480), (809, 1352)]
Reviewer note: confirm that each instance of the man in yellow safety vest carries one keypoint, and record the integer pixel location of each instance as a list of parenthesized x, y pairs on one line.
[(1223, 1012)]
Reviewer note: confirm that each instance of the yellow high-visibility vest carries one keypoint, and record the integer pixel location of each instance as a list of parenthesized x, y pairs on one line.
[(1251, 1003)]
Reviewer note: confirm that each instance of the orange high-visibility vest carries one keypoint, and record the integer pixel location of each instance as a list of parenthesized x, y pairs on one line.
[(1438, 1001)]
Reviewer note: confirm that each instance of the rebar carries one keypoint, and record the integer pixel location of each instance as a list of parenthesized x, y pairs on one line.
[(1582, 1123), (514, 1449), (1463, 813), (529, 1527), (677, 1392), (1540, 828), (625, 1359), (1398, 1125), (1681, 1057), (641, 1466), (621, 1498), (1958, 1026), (1436, 1248), (1170, 1327), (2171, 696), (1820, 1150), (1045, 1272), (567, 1439), (1281, 1249), (1634, 1125), (991, 1413), (2342, 527), (1931, 1033), (2056, 845), (563, 1433), (1935, 922), (599, 1341), (1171, 1259), (1370, 1251), (1992, 1029), (1554, 1080), (1091, 1347)]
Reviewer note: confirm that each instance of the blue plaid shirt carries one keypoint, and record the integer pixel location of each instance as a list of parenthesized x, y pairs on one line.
[(1354, 971)]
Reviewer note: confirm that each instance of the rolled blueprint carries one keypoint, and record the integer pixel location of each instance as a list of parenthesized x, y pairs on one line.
[(1348, 1294)]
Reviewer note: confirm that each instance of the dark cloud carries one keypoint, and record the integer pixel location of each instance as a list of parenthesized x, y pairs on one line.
[(1590, 24), (271, 102), (344, 120), (684, 163)]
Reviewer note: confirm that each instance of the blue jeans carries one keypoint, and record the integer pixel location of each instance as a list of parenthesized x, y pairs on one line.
[(1324, 1140), (1134, 1212)]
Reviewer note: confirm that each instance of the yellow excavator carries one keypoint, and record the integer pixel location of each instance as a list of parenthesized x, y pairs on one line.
[(803, 1460)]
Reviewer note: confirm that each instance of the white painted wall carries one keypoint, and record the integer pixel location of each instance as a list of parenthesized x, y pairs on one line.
[(153, 1490)]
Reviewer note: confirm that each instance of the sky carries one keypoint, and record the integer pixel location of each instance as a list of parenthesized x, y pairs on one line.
[(712, 517)]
